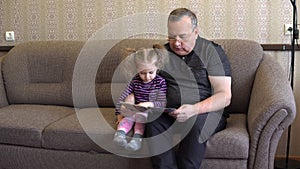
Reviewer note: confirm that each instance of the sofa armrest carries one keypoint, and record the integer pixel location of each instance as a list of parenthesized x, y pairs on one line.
[(271, 110), (3, 97)]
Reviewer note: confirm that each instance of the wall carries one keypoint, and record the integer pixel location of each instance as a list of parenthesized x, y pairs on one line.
[(259, 20)]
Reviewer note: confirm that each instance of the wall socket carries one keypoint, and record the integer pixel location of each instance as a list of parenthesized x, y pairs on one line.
[(9, 36), (288, 29)]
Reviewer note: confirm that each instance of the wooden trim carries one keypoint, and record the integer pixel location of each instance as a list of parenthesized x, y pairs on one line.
[(5, 48), (291, 157), (279, 47)]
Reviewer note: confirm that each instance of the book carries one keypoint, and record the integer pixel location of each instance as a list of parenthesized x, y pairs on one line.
[(138, 108)]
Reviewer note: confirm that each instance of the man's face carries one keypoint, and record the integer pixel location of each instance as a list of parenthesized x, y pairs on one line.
[(182, 35)]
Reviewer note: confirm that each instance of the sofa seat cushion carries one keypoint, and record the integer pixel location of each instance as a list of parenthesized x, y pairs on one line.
[(80, 131), (23, 124), (232, 142)]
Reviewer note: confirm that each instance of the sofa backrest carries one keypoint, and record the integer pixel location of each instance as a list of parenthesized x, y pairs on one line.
[(245, 57), (42, 72)]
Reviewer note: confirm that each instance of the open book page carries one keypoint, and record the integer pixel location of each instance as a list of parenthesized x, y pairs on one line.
[(138, 108)]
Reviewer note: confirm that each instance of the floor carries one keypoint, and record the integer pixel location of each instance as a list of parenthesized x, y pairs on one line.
[(280, 163)]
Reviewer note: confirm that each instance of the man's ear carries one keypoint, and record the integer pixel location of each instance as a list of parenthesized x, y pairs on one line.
[(196, 31)]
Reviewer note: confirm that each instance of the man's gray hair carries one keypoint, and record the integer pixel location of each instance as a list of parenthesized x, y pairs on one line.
[(178, 13)]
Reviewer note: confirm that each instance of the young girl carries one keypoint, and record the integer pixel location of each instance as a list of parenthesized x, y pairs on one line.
[(148, 89)]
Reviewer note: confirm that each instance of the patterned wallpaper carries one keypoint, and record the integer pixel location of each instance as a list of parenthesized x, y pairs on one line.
[(259, 20)]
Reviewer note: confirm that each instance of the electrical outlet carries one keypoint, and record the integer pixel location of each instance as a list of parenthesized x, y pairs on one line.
[(288, 29), (9, 36)]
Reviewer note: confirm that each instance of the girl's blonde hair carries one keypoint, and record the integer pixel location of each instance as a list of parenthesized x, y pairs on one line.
[(157, 55)]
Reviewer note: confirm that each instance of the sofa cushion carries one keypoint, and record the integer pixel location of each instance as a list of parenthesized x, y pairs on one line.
[(231, 143), (107, 94), (77, 131), (244, 57), (40, 72), (24, 124)]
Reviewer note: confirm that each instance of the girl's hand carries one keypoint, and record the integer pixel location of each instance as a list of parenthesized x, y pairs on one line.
[(125, 112), (119, 118)]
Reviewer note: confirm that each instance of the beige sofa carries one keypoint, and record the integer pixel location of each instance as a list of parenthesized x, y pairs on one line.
[(50, 90)]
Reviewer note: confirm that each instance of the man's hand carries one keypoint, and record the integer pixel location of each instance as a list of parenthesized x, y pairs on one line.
[(184, 112)]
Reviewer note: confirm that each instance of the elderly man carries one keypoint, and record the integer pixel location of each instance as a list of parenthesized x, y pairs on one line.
[(198, 80)]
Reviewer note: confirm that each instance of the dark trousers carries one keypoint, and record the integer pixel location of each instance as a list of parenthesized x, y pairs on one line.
[(189, 153)]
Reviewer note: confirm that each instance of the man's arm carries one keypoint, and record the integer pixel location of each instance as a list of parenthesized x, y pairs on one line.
[(221, 97)]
